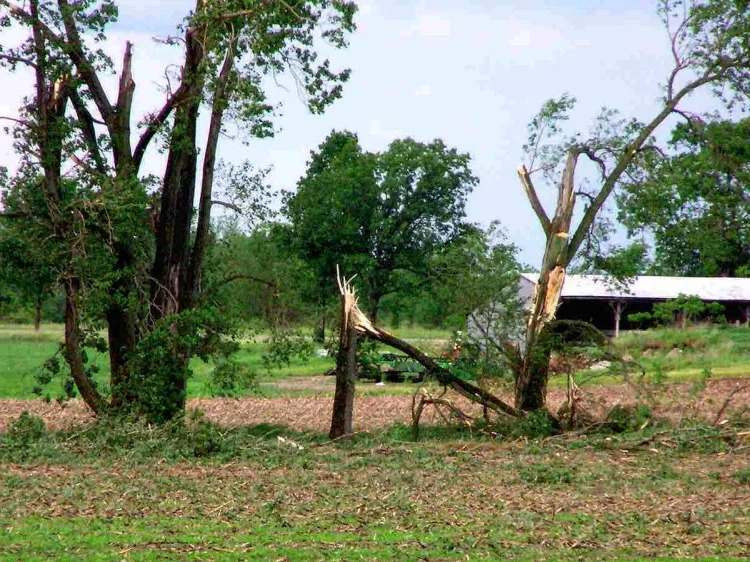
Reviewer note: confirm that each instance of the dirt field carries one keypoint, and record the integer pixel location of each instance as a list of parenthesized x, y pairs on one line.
[(372, 412)]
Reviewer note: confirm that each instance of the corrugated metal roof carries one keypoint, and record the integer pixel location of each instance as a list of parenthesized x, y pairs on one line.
[(654, 287)]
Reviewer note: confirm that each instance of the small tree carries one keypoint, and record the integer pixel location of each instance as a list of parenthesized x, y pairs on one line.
[(710, 47)]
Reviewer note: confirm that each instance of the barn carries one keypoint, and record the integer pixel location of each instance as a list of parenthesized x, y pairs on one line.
[(600, 300)]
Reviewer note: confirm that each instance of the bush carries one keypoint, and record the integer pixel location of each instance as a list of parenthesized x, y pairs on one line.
[(230, 379), (628, 418), (539, 423), (26, 429)]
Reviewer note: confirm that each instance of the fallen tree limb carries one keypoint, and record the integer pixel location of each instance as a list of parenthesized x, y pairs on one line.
[(355, 318)]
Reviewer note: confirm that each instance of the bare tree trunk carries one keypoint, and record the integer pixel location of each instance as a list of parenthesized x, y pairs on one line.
[(37, 313), (531, 381), (193, 285), (73, 350), (346, 374)]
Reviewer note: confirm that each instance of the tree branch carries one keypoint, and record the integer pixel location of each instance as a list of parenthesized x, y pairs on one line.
[(627, 157), (84, 66), (157, 121), (86, 122), (226, 204), (528, 187)]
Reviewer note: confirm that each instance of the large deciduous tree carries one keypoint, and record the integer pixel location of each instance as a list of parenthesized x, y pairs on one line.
[(695, 201), (710, 45), (138, 244), (380, 215)]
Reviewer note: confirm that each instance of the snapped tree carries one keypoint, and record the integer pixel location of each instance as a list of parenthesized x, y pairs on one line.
[(710, 45), (129, 257)]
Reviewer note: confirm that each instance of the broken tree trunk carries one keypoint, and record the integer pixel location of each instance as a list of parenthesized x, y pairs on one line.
[(346, 375), (354, 319)]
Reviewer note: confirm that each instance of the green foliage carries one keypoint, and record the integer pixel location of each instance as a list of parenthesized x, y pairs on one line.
[(380, 216), (624, 418), (742, 476), (682, 310), (284, 346), (26, 429), (160, 363), (231, 379), (534, 425), (694, 202)]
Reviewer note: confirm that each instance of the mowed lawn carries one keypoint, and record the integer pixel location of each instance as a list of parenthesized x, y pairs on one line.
[(23, 352), (667, 355)]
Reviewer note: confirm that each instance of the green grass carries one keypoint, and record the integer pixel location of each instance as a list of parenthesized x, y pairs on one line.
[(673, 355), (23, 352), (134, 492)]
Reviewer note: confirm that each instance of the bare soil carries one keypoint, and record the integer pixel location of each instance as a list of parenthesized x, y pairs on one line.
[(312, 413)]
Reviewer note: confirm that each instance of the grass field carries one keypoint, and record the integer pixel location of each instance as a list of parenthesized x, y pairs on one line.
[(23, 352), (202, 491), (667, 355)]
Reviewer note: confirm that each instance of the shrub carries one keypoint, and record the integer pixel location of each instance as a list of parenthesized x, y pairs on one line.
[(230, 379), (628, 418), (26, 428)]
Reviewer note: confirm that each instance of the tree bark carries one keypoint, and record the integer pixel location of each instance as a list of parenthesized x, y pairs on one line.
[(169, 272), (37, 313), (207, 181), (346, 375), (73, 349)]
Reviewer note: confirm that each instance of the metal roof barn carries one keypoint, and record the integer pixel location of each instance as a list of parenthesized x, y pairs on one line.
[(653, 287)]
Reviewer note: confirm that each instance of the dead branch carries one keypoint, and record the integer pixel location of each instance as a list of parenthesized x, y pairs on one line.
[(727, 401)]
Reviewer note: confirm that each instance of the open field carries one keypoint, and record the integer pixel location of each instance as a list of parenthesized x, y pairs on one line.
[(266, 493), (255, 478)]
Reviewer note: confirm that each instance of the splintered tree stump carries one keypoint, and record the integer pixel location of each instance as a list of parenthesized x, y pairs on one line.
[(346, 375), (346, 366)]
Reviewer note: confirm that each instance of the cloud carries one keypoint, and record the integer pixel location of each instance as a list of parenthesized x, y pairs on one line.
[(431, 25), (423, 91)]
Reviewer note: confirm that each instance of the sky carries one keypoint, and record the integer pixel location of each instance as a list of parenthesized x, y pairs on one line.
[(471, 72)]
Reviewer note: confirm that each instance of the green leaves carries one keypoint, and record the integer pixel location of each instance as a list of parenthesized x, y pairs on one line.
[(377, 215), (696, 201)]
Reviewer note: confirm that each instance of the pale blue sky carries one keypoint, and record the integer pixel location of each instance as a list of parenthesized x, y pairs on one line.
[(472, 72)]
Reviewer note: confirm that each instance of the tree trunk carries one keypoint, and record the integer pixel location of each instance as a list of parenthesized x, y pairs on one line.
[(37, 313), (169, 271), (191, 291), (73, 350), (346, 374), (531, 380)]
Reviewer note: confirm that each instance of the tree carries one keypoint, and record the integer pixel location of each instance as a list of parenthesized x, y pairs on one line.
[(381, 215), (695, 201), (148, 266), (26, 267), (709, 43)]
